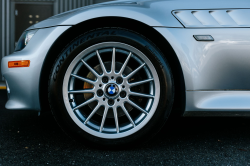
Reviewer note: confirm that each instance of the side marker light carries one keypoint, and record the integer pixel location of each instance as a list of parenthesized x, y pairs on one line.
[(203, 38), (24, 63)]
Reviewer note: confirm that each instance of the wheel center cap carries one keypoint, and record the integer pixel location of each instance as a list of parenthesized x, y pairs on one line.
[(112, 89)]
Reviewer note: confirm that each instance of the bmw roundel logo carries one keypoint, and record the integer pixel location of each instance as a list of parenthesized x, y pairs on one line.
[(111, 89)]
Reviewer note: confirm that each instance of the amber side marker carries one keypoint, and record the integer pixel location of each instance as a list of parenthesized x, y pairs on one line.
[(2, 85), (24, 63)]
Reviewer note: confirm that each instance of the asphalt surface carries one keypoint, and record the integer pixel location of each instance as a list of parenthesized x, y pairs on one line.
[(28, 139)]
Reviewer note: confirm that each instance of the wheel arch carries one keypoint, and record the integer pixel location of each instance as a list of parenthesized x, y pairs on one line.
[(127, 23)]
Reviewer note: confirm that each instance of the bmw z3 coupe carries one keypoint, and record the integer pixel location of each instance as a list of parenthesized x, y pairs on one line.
[(111, 73)]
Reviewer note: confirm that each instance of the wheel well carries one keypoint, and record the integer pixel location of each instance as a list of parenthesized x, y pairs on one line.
[(139, 27)]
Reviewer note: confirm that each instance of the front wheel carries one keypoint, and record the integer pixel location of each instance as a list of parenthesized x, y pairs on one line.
[(111, 87)]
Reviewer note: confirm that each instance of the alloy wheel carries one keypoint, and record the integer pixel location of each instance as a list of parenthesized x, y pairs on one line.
[(111, 90)]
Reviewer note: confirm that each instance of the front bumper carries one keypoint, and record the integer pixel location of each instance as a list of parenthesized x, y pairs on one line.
[(24, 82)]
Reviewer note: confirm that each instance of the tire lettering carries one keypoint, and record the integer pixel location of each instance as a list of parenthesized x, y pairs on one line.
[(61, 60), (57, 68), (54, 76), (113, 33), (75, 45), (82, 40), (105, 33), (91, 36), (98, 34)]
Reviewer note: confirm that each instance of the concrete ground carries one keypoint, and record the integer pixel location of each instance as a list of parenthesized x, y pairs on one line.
[(28, 139)]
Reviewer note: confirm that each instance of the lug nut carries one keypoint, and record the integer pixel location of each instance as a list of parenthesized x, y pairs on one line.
[(105, 79), (111, 102), (123, 94), (99, 93), (119, 80)]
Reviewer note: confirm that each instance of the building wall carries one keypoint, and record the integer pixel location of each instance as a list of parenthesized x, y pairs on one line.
[(5, 27), (7, 15), (1, 29), (65, 5)]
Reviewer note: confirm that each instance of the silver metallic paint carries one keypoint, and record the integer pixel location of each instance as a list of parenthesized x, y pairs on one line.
[(222, 64), (150, 12), (236, 102), (218, 18), (218, 66), (24, 82)]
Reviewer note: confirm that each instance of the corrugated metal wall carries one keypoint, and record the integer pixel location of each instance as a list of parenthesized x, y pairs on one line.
[(65, 5), (5, 27)]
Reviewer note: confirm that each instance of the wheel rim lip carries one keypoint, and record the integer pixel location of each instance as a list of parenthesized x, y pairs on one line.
[(86, 52)]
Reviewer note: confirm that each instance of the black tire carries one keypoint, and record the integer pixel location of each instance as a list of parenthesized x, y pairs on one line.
[(107, 35)]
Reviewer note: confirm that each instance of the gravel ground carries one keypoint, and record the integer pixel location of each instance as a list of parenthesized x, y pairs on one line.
[(28, 139)]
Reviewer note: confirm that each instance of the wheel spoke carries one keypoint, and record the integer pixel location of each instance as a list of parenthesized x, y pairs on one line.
[(135, 71), (141, 95), (103, 118), (127, 114), (116, 119), (92, 113), (141, 82), (101, 62), (90, 68), (85, 103), (113, 62), (111, 87), (81, 91), (125, 64), (136, 106), (83, 79)]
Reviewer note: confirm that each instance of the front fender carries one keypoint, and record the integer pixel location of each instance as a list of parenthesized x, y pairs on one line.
[(151, 13)]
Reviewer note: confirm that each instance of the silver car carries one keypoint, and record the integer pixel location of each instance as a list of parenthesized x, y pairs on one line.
[(111, 73)]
